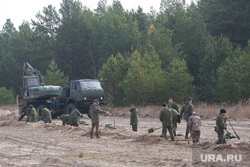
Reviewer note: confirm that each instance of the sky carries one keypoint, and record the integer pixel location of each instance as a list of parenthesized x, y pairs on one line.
[(20, 10)]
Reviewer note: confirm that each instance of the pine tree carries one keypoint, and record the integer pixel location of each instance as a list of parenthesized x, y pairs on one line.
[(54, 76)]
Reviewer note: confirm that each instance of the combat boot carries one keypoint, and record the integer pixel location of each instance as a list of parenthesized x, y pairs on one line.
[(91, 136), (98, 137)]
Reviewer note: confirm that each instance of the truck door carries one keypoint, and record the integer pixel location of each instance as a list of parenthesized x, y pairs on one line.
[(76, 91)]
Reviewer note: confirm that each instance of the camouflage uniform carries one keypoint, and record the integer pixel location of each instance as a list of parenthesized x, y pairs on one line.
[(221, 127), (173, 106), (134, 118), (66, 119), (175, 117), (166, 119), (74, 117), (33, 115), (94, 112), (194, 126), (186, 112), (46, 115)]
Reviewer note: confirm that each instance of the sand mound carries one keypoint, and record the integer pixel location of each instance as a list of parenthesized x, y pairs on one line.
[(148, 139), (6, 120)]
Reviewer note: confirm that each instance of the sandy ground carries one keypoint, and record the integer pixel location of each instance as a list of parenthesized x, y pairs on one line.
[(37, 144)]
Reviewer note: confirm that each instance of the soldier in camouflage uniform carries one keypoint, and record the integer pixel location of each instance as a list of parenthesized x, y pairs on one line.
[(46, 115), (175, 118), (31, 114), (173, 105), (133, 117), (186, 112), (194, 127), (66, 119), (74, 116), (221, 126), (94, 113), (166, 119)]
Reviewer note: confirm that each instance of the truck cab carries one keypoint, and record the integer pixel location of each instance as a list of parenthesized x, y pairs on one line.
[(81, 93)]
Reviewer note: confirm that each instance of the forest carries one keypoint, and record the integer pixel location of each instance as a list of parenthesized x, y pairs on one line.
[(200, 50)]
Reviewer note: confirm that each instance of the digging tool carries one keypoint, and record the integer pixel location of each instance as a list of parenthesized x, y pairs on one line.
[(151, 130), (190, 136), (233, 128)]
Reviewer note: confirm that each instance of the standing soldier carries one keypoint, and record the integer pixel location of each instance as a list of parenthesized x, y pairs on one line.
[(94, 112), (194, 127), (186, 112), (166, 119), (173, 105), (46, 115), (221, 126), (175, 119), (74, 115), (133, 117)]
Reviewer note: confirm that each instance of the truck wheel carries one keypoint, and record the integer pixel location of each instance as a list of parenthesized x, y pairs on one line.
[(70, 108), (39, 112)]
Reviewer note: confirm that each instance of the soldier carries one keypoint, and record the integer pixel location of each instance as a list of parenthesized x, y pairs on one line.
[(173, 105), (46, 115), (31, 114), (166, 119), (66, 119), (74, 117), (221, 126), (194, 127), (94, 113), (186, 112), (175, 119), (133, 117)]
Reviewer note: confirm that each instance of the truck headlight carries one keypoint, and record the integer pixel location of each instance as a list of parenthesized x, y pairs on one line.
[(85, 98), (101, 98)]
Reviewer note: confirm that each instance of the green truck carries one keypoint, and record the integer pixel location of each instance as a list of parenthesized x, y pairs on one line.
[(77, 94)]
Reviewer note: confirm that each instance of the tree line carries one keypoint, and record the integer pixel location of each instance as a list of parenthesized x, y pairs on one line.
[(200, 50)]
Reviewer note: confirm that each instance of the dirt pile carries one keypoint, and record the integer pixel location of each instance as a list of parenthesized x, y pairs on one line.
[(7, 117)]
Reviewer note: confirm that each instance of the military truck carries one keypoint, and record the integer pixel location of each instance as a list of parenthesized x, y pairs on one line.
[(77, 94)]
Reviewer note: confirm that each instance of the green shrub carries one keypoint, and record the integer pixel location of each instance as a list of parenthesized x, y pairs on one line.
[(6, 96)]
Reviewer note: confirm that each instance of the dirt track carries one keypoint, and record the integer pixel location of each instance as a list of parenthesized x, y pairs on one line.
[(37, 144)]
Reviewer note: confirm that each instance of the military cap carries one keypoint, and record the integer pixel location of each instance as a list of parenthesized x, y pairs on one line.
[(223, 110), (132, 105), (96, 100), (190, 98), (164, 105), (31, 105)]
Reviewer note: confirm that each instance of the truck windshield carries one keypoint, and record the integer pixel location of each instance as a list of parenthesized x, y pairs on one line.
[(91, 85), (33, 82)]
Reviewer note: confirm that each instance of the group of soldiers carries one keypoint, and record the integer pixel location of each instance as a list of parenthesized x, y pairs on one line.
[(170, 116), (32, 114)]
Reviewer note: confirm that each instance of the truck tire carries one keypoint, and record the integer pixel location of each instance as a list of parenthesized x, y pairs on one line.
[(65, 93), (70, 108), (39, 112)]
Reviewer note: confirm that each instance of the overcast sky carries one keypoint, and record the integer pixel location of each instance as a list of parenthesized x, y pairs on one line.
[(19, 10)]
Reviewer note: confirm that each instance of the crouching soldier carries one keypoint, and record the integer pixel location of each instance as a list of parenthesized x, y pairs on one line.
[(166, 119), (175, 119), (94, 113), (46, 115), (194, 127), (66, 119), (133, 117), (32, 114), (74, 116), (221, 126)]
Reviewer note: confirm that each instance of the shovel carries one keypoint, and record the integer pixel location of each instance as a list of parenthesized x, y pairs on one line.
[(233, 129), (151, 130)]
